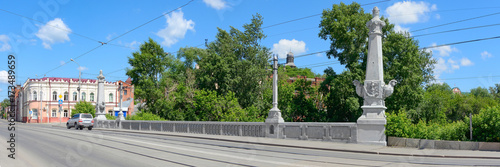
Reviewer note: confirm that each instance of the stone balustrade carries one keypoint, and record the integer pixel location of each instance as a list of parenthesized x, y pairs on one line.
[(337, 132)]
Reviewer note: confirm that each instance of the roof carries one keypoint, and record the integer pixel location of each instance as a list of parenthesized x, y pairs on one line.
[(60, 79)]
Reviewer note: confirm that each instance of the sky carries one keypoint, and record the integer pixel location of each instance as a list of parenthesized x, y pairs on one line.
[(44, 35)]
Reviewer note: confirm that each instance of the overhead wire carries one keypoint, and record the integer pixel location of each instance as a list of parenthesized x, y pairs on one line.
[(289, 21), (460, 29), (454, 22), (120, 36)]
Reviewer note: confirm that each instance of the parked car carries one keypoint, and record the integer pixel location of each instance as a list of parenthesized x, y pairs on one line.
[(80, 121)]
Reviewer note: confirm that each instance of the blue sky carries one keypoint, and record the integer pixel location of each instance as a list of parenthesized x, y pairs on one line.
[(40, 47)]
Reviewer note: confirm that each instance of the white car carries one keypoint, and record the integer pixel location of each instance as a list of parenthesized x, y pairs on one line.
[(81, 120)]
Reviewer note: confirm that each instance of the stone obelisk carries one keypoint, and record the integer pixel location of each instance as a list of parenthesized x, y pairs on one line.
[(371, 125), (100, 106)]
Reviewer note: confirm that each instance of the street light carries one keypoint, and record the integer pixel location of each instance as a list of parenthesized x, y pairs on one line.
[(79, 79)]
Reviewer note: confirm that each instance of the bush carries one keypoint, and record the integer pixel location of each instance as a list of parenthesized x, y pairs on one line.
[(399, 125), (110, 117), (486, 125), (145, 116)]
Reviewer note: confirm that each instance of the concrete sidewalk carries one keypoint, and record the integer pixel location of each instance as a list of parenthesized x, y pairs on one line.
[(330, 146)]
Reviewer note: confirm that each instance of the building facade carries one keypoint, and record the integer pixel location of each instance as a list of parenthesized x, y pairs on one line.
[(41, 97)]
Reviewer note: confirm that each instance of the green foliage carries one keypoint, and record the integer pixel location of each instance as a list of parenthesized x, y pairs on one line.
[(480, 92), (399, 125), (83, 107), (342, 103), (212, 107), (151, 68), (495, 92), (486, 125), (110, 117), (145, 116), (345, 27), (236, 62), (293, 72)]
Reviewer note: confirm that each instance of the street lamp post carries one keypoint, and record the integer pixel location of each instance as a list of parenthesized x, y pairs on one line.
[(79, 79)]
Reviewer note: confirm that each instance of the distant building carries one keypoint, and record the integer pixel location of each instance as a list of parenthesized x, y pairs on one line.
[(456, 90), (289, 60), (40, 96)]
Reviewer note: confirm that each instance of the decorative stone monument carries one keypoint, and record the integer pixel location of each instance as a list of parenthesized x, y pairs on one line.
[(371, 125), (100, 106), (274, 118)]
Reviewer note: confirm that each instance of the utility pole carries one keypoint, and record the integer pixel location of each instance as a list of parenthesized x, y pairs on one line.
[(120, 113)]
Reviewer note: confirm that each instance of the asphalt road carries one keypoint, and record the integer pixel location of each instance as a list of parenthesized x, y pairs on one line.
[(44, 145)]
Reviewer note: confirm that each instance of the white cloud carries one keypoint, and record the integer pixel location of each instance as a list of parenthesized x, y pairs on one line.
[(284, 46), (216, 4), (53, 32), (407, 12), (82, 68), (440, 67), (466, 62), (4, 76), (399, 29), (437, 16), (454, 65), (444, 50), (450, 65), (486, 55), (176, 28), (4, 39)]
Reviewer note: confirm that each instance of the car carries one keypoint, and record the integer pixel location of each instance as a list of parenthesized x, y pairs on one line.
[(80, 121)]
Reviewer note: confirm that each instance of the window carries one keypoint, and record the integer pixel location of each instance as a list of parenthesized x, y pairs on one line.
[(124, 92), (54, 113), (91, 96), (54, 95), (111, 97), (83, 96), (34, 95), (65, 113), (75, 96), (66, 94), (110, 112), (35, 113)]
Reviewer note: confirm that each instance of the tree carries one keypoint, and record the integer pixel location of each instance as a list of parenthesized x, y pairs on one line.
[(236, 62), (480, 92), (5, 104), (345, 27), (151, 68), (84, 107), (495, 92), (293, 72)]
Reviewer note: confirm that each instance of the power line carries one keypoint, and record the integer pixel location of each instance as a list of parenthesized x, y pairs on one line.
[(150, 21), (314, 15), (120, 36), (461, 29), (470, 77), (69, 31), (461, 42), (456, 22)]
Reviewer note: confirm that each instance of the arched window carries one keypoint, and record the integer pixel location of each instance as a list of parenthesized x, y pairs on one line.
[(91, 96), (111, 97), (54, 95), (66, 94), (75, 96), (34, 95), (83, 96)]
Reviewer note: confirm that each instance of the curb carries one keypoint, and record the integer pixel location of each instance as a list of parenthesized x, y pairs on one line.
[(304, 147)]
